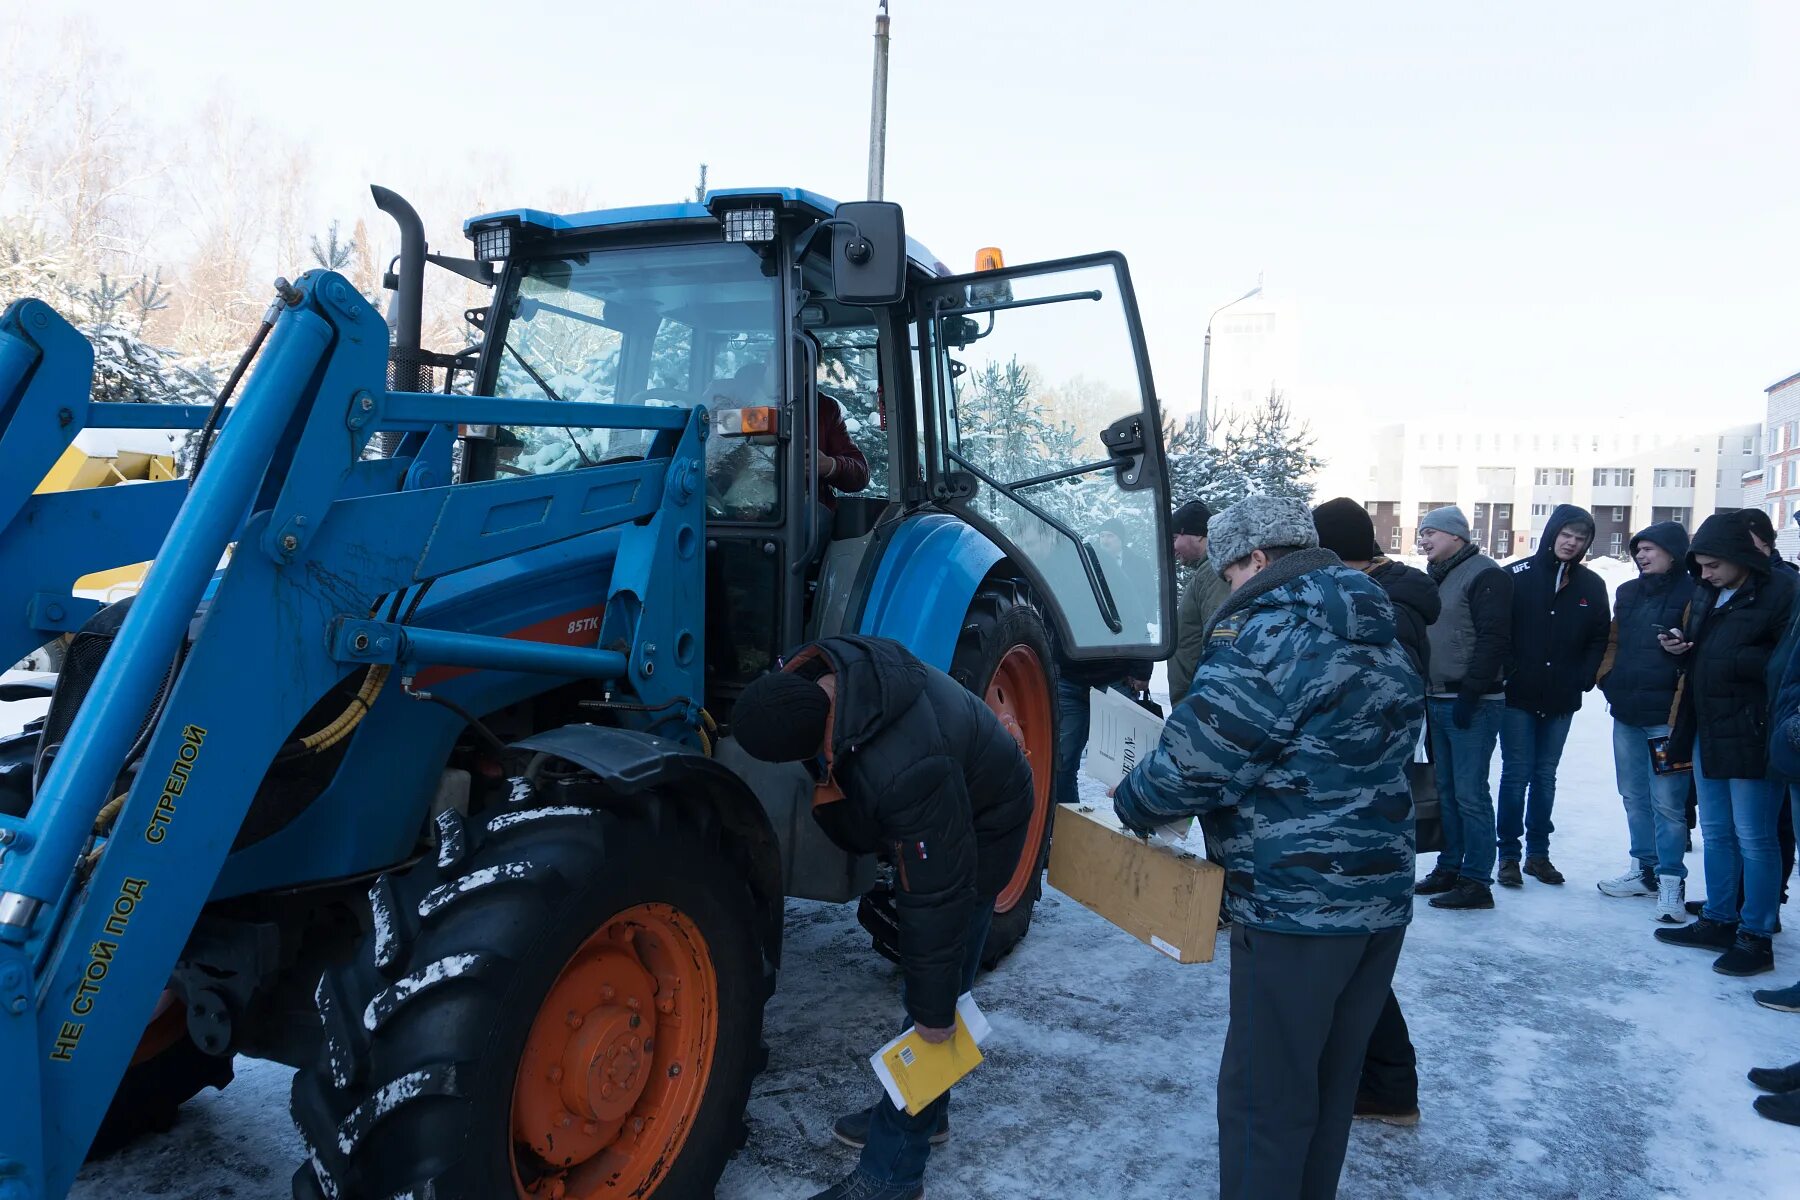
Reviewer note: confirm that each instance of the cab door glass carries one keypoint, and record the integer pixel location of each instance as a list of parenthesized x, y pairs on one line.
[(850, 374), (1044, 431)]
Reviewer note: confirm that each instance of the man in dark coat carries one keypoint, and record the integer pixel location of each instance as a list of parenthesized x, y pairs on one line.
[(1560, 621), (1762, 532), (1389, 1090), (908, 762), (1738, 615), (1469, 648), (1638, 678), (1204, 592)]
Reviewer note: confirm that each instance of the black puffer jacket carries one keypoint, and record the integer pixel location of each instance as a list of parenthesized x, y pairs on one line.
[(1416, 606), (1724, 699), (1639, 681), (930, 776), (1558, 636)]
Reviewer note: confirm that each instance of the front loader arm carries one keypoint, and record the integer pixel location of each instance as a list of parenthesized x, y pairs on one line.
[(328, 535)]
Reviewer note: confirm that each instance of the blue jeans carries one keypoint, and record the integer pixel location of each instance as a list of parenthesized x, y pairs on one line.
[(1737, 819), (1655, 805), (1460, 759), (1530, 748), (899, 1144), (1072, 713)]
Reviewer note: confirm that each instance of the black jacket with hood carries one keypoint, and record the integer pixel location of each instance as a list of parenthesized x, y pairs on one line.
[(1639, 676), (1725, 697), (930, 776), (1559, 633), (1416, 606)]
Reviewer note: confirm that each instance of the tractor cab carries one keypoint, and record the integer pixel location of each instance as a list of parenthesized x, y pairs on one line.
[(1018, 401)]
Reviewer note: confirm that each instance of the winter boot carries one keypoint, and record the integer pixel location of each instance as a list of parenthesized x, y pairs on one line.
[(1436, 883), (1509, 873), (1670, 889), (1704, 934), (1777, 1079), (1541, 870), (1784, 1108), (1785, 999), (1630, 883), (1466, 894), (857, 1186), (852, 1129), (1371, 1108), (1751, 954)]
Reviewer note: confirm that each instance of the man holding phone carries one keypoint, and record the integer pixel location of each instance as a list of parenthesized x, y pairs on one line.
[(1739, 614), (1638, 679)]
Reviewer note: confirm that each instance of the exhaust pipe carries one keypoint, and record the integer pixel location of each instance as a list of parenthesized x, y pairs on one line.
[(406, 316)]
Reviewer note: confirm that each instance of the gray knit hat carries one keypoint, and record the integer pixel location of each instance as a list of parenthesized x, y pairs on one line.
[(1448, 519), (1260, 523)]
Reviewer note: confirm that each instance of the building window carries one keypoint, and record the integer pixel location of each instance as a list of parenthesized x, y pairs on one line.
[(1749, 445), (1534, 543), (1672, 477), (1614, 476), (1721, 443), (1618, 516), (1618, 542), (1719, 478), (1503, 512), (1502, 539), (1555, 476), (1540, 510), (1394, 538)]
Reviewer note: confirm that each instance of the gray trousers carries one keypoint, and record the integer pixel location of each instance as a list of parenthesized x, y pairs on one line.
[(1302, 1008)]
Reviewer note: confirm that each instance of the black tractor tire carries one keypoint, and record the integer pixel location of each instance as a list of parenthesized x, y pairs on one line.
[(466, 950), (150, 1096), (1001, 618)]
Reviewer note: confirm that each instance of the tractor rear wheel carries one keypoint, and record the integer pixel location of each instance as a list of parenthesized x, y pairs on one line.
[(567, 1004), (1003, 655)]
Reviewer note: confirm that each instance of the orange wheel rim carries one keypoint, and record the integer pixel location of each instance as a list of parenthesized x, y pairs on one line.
[(616, 1064), (1019, 694), (168, 1025)]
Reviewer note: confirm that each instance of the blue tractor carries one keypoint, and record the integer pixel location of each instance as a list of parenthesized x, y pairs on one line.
[(410, 764)]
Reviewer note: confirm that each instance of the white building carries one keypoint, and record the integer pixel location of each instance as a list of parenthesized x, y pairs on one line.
[(1507, 479), (1781, 464)]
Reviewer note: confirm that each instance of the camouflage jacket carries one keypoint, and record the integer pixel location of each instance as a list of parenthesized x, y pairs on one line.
[(1292, 748)]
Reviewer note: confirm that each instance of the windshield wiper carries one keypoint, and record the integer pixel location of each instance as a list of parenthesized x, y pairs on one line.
[(550, 392)]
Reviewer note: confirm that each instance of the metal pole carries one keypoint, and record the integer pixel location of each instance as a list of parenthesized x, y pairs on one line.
[(878, 106), (1205, 369)]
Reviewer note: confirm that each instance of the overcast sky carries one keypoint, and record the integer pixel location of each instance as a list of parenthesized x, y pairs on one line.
[(1570, 210)]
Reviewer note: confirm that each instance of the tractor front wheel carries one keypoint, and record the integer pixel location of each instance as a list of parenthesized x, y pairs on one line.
[(567, 1005)]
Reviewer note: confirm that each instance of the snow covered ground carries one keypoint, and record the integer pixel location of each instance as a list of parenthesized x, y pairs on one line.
[(1563, 1053)]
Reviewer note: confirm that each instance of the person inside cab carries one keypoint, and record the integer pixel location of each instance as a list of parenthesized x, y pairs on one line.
[(839, 466)]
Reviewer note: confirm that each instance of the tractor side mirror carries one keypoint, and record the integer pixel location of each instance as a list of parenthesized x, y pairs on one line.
[(868, 253)]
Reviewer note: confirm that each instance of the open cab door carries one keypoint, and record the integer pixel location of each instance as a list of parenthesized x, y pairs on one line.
[(1042, 430)]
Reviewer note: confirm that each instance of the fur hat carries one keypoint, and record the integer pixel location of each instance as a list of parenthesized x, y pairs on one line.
[(1260, 523)]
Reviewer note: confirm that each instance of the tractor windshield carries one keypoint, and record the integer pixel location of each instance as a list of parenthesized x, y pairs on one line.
[(675, 325)]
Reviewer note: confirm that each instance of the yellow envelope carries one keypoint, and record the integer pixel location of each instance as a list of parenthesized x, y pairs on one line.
[(914, 1072)]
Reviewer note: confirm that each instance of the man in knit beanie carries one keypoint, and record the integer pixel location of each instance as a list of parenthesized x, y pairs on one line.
[(1291, 747), (1465, 686)]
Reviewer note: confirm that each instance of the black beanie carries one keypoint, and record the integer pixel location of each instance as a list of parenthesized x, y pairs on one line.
[(1346, 530), (1191, 518), (781, 718)]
